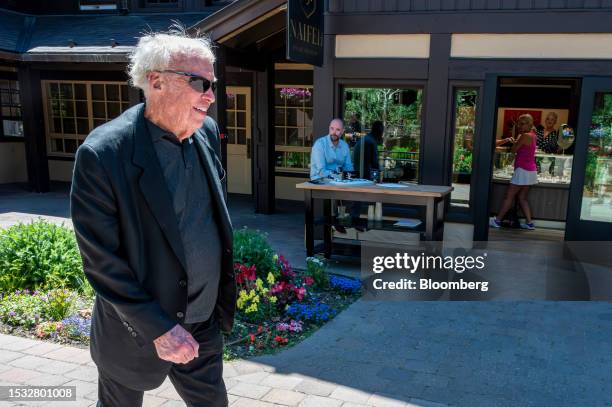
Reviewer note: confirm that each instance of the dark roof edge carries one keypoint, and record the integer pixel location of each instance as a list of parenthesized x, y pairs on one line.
[(11, 56), (58, 57), (216, 19)]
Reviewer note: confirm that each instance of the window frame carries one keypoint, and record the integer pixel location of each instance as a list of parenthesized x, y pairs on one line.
[(11, 76), (50, 136), (455, 213), (289, 149), (342, 84)]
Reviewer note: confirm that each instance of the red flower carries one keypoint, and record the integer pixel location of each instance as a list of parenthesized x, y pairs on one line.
[(308, 280), (244, 274), (280, 340), (252, 337), (259, 329)]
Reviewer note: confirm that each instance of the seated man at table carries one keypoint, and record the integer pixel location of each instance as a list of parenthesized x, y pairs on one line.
[(330, 153)]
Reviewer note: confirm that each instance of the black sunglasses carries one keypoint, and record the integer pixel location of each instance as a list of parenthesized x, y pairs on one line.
[(197, 82)]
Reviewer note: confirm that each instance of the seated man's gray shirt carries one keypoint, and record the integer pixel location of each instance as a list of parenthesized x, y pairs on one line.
[(190, 192)]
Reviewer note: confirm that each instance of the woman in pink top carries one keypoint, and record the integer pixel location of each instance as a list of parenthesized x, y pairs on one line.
[(525, 172)]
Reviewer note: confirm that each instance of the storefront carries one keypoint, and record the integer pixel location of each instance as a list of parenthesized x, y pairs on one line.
[(448, 79)]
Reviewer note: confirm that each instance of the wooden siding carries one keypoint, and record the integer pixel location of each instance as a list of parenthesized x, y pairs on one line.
[(376, 6)]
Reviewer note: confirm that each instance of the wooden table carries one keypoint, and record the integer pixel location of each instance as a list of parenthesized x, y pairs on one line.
[(431, 197)]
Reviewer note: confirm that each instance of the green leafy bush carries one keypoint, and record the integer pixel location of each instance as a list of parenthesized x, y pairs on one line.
[(21, 309), (58, 304), (316, 269), (251, 248), (39, 255)]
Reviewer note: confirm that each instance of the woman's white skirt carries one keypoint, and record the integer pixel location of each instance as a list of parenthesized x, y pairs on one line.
[(524, 177)]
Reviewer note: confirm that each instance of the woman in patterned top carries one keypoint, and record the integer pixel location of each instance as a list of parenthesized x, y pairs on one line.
[(547, 135)]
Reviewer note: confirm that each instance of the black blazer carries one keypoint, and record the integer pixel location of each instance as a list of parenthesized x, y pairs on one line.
[(131, 247)]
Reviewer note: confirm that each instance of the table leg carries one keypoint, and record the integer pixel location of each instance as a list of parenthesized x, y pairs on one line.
[(327, 228), (440, 207), (430, 219), (309, 222)]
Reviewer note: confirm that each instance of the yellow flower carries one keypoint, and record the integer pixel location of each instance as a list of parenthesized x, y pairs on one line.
[(270, 278), (273, 300), (259, 284), (242, 299), (251, 308)]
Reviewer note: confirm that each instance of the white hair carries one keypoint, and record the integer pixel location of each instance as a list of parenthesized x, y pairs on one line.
[(156, 51)]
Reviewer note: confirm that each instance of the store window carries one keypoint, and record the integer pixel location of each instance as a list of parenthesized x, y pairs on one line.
[(10, 114), (73, 109), (597, 192), (399, 109), (464, 128), (293, 127)]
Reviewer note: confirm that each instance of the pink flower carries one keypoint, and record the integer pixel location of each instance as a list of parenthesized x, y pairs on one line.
[(300, 293), (308, 280), (282, 326)]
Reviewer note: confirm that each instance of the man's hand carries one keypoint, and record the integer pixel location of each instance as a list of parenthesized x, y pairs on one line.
[(176, 346)]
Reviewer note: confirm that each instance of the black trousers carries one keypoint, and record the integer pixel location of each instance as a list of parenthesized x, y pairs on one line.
[(199, 382)]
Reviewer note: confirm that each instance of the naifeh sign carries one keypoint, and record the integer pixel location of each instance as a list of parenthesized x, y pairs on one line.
[(305, 31)]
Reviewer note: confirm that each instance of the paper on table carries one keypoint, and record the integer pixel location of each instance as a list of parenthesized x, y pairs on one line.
[(391, 185), (407, 223), (352, 183)]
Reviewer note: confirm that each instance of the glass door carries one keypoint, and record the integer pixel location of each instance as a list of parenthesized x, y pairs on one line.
[(590, 206), (239, 140)]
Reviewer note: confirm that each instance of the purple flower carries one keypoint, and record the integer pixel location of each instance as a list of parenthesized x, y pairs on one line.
[(76, 326), (12, 314), (295, 326)]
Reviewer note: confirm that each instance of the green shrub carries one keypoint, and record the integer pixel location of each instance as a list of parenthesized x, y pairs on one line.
[(252, 248), (39, 255), (22, 309), (58, 304), (316, 269)]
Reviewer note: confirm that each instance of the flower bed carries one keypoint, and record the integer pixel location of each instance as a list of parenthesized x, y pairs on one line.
[(277, 306)]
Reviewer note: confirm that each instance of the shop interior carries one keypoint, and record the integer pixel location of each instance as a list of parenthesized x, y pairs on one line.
[(553, 104)]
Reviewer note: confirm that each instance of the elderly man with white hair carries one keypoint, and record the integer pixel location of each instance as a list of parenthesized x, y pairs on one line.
[(151, 221)]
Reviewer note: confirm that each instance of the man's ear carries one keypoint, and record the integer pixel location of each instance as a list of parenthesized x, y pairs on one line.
[(154, 79)]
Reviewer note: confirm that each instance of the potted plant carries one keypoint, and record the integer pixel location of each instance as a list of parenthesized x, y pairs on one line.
[(462, 165)]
